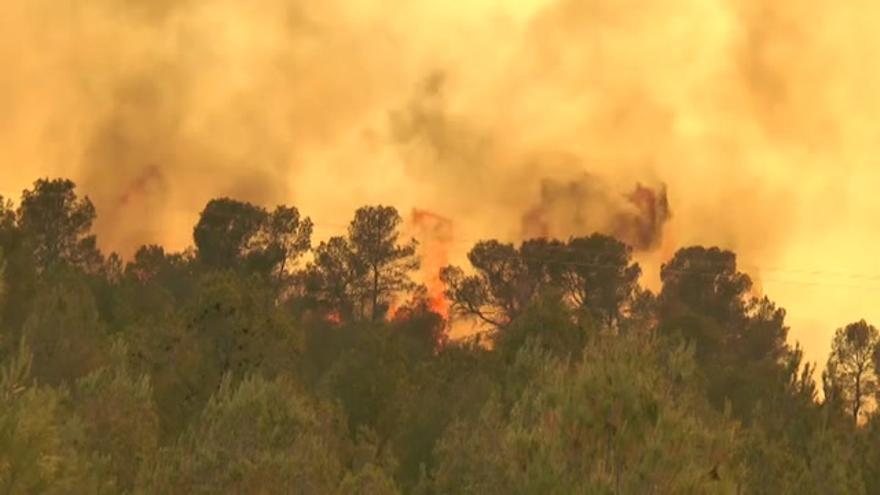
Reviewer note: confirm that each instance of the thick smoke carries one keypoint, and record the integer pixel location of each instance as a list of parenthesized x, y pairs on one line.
[(588, 205), (156, 107), (761, 121)]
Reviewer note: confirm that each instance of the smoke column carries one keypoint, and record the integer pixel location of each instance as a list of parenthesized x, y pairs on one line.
[(760, 121)]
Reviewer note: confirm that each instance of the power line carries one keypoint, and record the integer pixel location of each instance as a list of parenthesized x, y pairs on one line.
[(760, 270), (813, 272)]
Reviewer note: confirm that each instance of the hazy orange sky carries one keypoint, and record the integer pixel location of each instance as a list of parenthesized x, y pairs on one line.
[(762, 119)]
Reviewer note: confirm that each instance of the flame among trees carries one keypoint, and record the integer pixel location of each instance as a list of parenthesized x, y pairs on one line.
[(238, 366), (436, 234)]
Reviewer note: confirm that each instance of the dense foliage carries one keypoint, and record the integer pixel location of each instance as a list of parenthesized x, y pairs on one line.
[(257, 363)]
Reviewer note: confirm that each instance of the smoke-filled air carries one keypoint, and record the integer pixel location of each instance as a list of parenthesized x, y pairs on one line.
[(746, 125), (758, 122)]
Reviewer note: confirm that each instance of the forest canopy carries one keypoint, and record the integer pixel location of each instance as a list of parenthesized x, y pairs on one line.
[(261, 361)]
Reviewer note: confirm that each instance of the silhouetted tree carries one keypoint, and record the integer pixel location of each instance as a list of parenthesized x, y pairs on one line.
[(8, 225), (850, 376), (361, 275), (331, 279), (225, 230), (594, 274), (374, 237), (739, 339), (499, 290), (56, 224), (233, 234), (21, 271), (705, 281), (598, 275), (281, 240)]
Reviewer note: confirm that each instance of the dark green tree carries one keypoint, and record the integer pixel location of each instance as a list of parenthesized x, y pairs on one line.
[(261, 436), (64, 331), (2, 277), (149, 263), (366, 378), (418, 328), (869, 450), (850, 375), (625, 419), (452, 386), (39, 438), (230, 327), (547, 323), (153, 270), (119, 419)]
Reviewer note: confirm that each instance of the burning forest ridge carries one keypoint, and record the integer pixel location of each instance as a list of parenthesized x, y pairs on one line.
[(427, 247), (760, 122), (565, 209), (292, 364)]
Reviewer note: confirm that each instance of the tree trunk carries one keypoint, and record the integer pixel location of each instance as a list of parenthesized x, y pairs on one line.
[(375, 293), (857, 399)]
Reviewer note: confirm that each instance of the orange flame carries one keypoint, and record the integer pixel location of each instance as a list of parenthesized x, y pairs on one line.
[(334, 318), (435, 235), (394, 309)]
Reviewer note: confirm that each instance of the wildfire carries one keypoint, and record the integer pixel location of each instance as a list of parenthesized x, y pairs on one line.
[(334, 318), (435, 235)]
